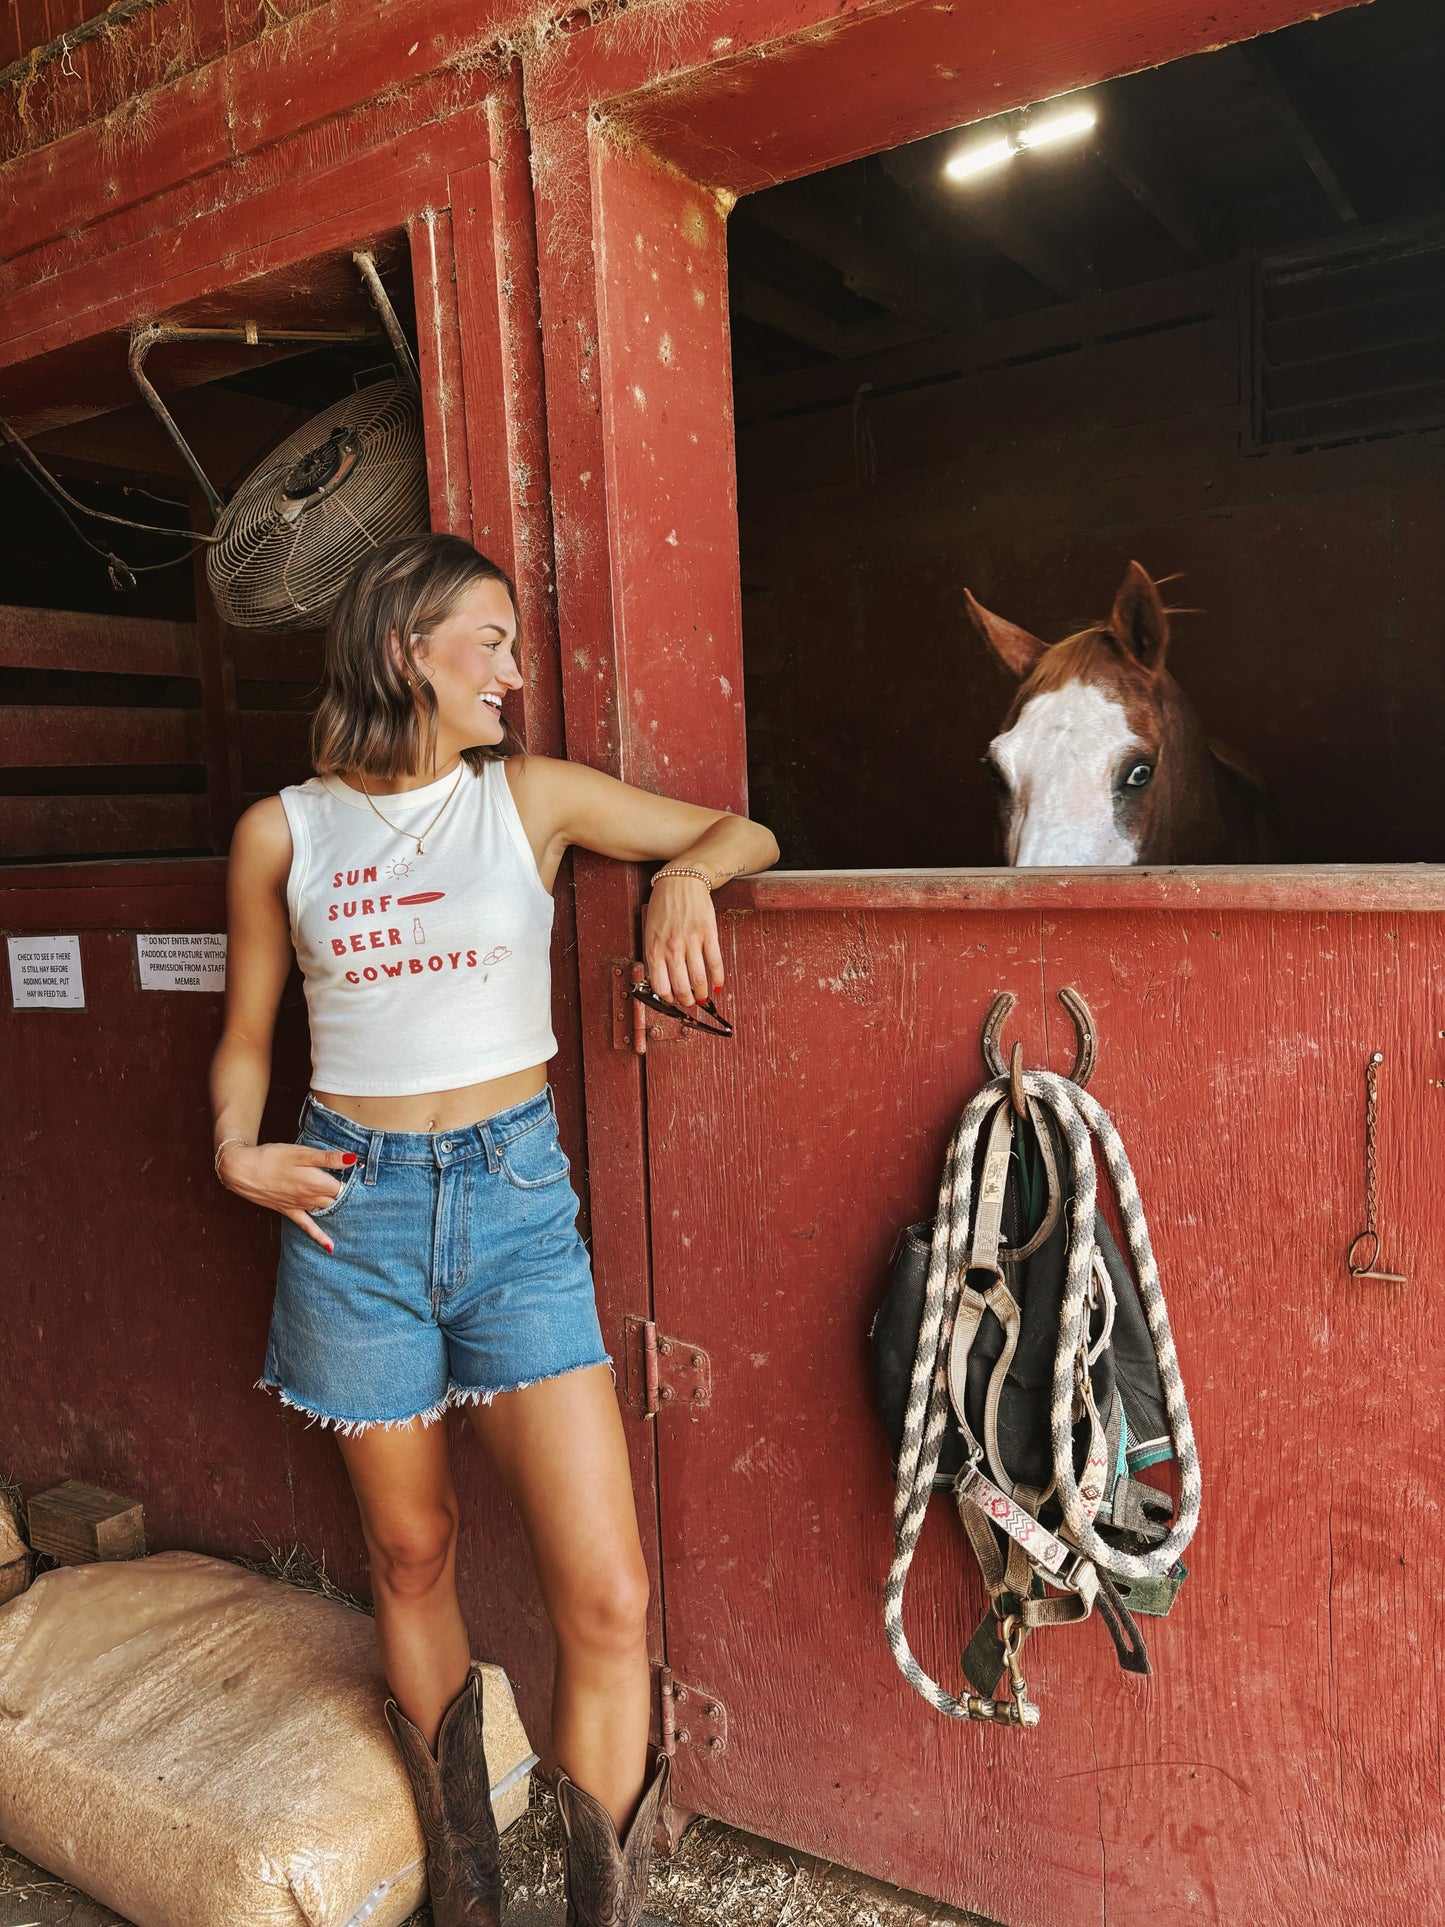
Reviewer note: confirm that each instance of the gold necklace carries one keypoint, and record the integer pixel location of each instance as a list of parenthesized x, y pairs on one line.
[(420, 841)]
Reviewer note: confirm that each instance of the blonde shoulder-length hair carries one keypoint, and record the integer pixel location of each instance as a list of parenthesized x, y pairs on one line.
[(369, 719)]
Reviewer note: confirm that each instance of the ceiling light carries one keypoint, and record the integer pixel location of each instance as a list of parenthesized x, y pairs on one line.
[(976, 159), (1058, 127)]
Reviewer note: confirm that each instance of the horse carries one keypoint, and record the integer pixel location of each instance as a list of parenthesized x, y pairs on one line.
[(1101, 759)]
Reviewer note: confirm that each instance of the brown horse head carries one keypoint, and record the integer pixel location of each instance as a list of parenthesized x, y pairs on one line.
[(1101, 759)]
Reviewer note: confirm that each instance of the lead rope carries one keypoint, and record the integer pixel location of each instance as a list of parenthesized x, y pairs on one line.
[(926, 1415)]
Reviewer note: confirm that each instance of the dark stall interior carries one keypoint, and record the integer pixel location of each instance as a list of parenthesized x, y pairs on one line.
[(1207, 333), (133, 721)]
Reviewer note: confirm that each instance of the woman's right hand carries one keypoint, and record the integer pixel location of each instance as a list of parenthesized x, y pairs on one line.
[(293, 1179)]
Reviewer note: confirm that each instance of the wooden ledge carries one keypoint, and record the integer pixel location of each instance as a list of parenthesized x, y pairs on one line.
[(1387, 887)]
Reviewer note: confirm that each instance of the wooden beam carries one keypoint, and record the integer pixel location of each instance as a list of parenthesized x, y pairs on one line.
[(1284, 99), (219, 727), (871, 265), (829, 385), (50, 735), (991, 210), (786, 315), (63, 826), (1144, 170), (275, 736), (101, 644), (260, 657)]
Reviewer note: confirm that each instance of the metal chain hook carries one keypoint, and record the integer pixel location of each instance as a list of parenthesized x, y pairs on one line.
[(1365, 1267)]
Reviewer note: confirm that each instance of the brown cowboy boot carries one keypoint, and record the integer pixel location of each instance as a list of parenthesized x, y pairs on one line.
[(606, 1878), (454, 1804)]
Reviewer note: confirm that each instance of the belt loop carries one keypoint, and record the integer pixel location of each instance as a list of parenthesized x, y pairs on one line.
[(489, 1145), (373, 1156), (305, 1113)]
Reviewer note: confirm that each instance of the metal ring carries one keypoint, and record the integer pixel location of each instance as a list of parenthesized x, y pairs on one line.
[(1358, 1270)]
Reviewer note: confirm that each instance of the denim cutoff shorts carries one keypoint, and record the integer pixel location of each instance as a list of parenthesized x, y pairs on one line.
[(457, 1273)]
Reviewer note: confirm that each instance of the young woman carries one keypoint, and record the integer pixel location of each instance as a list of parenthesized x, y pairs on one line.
[(429, 1254)]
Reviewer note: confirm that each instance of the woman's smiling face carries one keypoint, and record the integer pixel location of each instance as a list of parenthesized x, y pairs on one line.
[(469, 663)]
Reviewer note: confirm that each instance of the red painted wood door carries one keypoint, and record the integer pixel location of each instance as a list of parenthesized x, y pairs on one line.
[(1297, 1684)]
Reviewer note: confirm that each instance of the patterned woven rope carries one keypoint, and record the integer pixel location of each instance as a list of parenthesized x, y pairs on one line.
[(1079, 1115), (926, 1414), (927, 1411)]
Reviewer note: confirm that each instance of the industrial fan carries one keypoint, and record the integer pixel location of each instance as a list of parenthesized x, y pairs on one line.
[(282, 548), (294, 530)]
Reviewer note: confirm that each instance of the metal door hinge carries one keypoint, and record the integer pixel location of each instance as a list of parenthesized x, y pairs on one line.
[(691, 1716), (662, 1370)]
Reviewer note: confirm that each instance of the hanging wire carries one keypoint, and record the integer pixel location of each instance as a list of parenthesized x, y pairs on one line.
[(122, 574), (46, 480)]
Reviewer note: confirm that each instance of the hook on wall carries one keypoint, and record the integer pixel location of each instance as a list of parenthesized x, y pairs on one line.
[(1086, 1055)]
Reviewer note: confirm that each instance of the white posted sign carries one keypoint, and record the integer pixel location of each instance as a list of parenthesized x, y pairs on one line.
[(45, 973), (186, 961)]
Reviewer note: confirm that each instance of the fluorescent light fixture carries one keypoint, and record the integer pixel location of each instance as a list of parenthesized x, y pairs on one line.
[(1058, 127), (976, 159)]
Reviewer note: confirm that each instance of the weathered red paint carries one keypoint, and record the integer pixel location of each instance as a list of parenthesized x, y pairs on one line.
[(747, 1195), (1238, 1784)]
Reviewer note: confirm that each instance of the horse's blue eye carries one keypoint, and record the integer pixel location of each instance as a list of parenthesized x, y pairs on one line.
[(1138, 776)]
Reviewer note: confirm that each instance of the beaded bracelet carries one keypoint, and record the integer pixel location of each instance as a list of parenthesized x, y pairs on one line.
[(701, 875)]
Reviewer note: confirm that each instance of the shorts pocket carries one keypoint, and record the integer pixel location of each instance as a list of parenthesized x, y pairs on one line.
[(348, 1180), (535, 1158)]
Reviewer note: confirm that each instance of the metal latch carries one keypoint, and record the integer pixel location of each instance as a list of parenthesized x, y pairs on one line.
[(691, 1716), (634, 1026), (662, 1370)]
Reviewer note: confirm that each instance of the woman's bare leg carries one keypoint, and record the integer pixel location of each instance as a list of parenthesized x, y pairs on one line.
[(403, 1484), (560, 1450)]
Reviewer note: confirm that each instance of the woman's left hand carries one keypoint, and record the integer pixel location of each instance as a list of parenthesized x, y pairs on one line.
[(680, 943)]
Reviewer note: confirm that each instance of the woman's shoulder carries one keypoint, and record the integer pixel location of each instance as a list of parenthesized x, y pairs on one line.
[(261, 840)]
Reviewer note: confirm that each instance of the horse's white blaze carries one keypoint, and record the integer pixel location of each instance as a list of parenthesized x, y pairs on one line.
[(1062, 759)]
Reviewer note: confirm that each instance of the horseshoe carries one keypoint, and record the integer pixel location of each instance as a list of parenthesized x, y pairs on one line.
[(1086, 1054)]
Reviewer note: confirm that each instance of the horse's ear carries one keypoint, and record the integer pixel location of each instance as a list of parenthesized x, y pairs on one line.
[(1139, 620), (1015, 648)]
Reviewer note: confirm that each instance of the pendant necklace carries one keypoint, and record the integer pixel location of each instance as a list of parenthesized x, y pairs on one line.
[(420, 841)]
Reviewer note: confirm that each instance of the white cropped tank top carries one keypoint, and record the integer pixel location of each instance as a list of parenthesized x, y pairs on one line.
[(428, 971)]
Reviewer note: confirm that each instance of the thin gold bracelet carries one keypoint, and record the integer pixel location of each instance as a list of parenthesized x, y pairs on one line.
[(701, 875), (224, 1146)]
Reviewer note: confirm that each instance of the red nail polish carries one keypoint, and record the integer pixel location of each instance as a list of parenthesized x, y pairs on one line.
[(331, 1247), (348, 1157)]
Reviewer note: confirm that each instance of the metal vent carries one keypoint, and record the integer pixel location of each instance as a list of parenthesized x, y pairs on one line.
[(1349, 340)]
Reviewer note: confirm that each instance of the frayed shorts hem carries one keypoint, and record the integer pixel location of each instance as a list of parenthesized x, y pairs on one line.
[(454, 1397)]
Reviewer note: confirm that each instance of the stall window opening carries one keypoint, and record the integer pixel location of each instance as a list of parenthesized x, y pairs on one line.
[(135, 721), (1202, 329)]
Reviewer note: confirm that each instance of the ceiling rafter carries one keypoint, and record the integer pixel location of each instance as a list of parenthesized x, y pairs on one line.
[(1284, 97), (991, 210), (799, 321), (1144, 170), (882, 271)]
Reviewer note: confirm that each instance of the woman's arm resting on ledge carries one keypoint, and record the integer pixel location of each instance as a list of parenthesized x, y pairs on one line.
[(573, 804)]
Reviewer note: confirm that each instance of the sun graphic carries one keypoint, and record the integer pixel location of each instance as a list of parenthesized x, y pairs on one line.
[(399, 866)]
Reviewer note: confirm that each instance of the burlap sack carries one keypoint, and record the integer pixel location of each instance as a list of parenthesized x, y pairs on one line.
[(197, 1746)]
